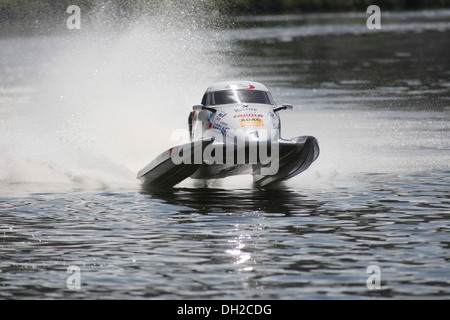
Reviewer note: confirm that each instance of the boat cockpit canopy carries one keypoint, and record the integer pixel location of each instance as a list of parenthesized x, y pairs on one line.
[(237, 96)]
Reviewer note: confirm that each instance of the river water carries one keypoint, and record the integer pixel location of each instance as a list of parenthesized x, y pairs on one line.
[(81, 111)]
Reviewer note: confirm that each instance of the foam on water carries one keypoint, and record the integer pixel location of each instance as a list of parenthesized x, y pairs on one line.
[(104, 100), (93, 106), (355, 143)]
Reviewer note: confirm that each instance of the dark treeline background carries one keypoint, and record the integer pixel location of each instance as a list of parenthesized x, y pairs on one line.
[(292, 6), (21, 9)]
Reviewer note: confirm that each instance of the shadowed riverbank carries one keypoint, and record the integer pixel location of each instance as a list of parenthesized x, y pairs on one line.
[(20, 10)]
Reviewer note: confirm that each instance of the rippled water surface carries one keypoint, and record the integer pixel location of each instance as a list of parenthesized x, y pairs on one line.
[(74, 134)]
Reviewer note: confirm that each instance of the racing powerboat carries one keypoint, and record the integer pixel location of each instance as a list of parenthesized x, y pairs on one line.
[(234, 131)]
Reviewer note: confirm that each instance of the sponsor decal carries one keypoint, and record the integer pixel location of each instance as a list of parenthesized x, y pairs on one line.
[(220, 116), (221, 128), (245, 115), (235, 86), (245, 109), (245, 122), (276, 120)]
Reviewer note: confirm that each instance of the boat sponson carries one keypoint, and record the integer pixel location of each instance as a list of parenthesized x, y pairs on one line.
[(296, 156), (164, 173)]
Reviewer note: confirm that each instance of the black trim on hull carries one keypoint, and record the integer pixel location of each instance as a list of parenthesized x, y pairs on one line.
[(292, 163), (163, 173), (295, 156)]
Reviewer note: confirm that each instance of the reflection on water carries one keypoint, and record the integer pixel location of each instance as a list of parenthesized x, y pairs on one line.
[(218, 243), (206, 200)]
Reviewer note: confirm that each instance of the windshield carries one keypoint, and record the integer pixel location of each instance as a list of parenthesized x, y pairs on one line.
[(237, 96)]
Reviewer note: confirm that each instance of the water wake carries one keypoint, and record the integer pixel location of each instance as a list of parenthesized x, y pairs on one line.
[(103, 101)]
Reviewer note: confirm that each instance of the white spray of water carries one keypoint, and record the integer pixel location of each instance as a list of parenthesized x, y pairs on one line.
[(105, 102), (355, 143), (101, 102)]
